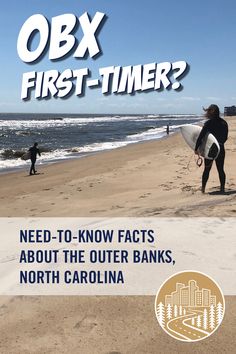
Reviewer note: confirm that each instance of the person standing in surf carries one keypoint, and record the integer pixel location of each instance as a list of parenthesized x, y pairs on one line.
[(34, 151), (219, 128), (168, 129)]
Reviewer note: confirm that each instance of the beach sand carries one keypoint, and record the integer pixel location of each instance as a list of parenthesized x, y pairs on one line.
[(158, 178), (106, 325), (145, 179)]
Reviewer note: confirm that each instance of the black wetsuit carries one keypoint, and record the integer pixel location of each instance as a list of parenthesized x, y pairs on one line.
[(34, 151), (219, 128)]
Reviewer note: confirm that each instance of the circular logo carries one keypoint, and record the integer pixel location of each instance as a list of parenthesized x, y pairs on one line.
[(189, 306)]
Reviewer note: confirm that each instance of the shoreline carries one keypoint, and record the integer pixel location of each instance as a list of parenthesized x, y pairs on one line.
[(73, 144), (83, 155), (151, 178)]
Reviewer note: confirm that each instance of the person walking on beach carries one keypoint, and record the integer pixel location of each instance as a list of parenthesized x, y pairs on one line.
[(168, 129), (34, 151), (219, 128)]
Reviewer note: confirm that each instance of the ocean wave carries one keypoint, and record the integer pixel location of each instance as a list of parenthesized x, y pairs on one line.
[(154, 127), (152, 133), (95, 147), (23, 132), (20, 125), (26, 133), (12, 159), (9, 154)]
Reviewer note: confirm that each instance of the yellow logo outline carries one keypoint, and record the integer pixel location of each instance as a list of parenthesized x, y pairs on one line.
[(189, 306)]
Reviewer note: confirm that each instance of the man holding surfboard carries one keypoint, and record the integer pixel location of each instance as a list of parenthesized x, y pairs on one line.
[(218, 127)]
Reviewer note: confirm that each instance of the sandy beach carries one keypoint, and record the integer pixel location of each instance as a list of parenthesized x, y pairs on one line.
[(158, 178)]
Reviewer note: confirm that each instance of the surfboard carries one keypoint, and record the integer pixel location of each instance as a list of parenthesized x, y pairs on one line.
[(26, 156), (209, 147)]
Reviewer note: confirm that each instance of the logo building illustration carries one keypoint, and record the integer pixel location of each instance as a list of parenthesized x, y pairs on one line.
[(190, 306)]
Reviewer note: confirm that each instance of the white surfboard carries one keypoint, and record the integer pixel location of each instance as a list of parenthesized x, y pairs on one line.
[(209, 147)]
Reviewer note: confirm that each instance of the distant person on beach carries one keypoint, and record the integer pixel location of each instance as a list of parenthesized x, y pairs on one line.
[(168, 129), (219, 128), (34, 151)]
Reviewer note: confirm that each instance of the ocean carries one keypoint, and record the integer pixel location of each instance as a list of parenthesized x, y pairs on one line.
[(67, 136)]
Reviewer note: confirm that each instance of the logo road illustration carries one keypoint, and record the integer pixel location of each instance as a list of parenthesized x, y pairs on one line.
[(189, 306)]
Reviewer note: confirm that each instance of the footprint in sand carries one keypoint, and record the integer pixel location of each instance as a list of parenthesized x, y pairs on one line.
[(188, 253), (208, 232), (97, 211), (225, 268), (9, 258), (187, 188), (86, 324), (166, 187), (155, 211), (181, 212), (3, 309), (145, 195)]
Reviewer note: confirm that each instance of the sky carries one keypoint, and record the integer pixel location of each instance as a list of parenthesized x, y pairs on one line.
[(202, 33)]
